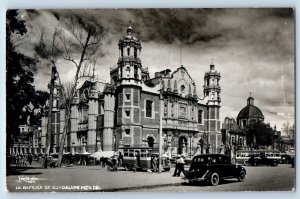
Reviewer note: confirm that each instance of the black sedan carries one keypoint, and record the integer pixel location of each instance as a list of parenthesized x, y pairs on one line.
[(212, 168)]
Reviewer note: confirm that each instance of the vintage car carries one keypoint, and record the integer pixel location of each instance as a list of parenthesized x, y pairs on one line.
[(141, 159), (261, 160), (212, 168)]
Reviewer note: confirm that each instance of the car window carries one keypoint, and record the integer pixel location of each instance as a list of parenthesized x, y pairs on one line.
[(212, 160), (200, 160)]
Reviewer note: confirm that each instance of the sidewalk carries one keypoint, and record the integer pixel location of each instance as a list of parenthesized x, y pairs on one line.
[(65, 178), (139, 180)]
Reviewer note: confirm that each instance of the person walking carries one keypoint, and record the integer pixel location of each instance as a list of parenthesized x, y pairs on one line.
[(30, 159), (154, 163), (177, 161), (181, 165), (45, 161)]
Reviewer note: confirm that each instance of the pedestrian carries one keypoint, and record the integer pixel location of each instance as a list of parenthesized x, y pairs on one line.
[(45, 161), (30, 159), (181, 165), (293, 162), (22, 160), (25, 160), (177, 161), (17, 160), (155, 163), (102, 162), (120, 159)]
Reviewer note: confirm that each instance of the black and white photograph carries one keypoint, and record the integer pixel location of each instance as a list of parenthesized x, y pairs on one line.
[(150, 100)]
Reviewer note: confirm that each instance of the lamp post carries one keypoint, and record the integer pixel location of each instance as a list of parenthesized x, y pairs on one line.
[(207, 142), (190, 135)]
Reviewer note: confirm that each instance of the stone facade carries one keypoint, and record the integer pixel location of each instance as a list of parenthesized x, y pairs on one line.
[(126, 112)]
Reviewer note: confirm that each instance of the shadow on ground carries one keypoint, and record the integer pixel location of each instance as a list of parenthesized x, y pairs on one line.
[(204, 184), (21, 171)]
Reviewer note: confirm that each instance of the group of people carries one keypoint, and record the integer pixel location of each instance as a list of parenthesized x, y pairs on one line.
[(179, 165), (113, 163), (21, 160)]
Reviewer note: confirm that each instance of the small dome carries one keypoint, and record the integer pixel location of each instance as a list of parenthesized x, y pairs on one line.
[(250, 111)]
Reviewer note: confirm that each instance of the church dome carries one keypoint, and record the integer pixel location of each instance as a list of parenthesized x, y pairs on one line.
[(250, 111)]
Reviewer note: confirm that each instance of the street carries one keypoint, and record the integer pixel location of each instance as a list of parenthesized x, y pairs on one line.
[(96, 178), (280, 178)]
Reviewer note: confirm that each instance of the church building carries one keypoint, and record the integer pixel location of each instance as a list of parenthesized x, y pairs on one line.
[(128, 111), (233, 131)]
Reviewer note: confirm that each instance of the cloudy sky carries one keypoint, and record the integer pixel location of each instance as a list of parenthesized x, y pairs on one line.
[(252, 48)]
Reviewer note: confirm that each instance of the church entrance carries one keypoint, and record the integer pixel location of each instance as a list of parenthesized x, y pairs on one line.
[(182, 144)]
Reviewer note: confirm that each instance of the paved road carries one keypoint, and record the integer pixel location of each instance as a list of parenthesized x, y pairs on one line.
[(84, 178), (95, 178), (281, 178)]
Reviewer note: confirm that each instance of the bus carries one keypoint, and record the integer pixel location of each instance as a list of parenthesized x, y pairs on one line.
[(141, 158), (242, 156)]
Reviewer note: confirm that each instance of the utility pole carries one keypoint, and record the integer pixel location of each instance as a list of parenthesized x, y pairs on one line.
[(160, 132), (49, 126)]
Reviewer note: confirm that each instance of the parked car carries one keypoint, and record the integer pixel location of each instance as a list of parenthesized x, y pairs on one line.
[(212, 168), (262, 160), (141, 159)]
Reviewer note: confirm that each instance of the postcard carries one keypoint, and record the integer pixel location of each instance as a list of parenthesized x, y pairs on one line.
[(152, 100)]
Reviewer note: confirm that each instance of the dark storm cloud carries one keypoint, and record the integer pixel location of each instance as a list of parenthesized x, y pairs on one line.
[(252, 48)]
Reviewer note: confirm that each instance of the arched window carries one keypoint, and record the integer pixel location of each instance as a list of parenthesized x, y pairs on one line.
[(150, 141), (135, 52), (136, 72), (200, 118)]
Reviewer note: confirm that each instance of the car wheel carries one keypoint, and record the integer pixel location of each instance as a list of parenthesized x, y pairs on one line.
[(241, 176), (127, 167), (214, 179), (246, 163), (274, 163)]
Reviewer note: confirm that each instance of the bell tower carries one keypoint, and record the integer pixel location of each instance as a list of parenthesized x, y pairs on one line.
[(212, 97), (128, 78), (129, 63), (212, 87)]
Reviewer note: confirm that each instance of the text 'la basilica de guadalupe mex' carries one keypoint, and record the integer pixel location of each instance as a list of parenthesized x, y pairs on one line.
[(150, 100)]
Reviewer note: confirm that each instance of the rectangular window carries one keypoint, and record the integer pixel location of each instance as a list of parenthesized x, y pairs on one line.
[(131, 153), (232, 140), (127, 131), (149, 105), (136, 72), (200, 119), (182, 111), (244, 123)]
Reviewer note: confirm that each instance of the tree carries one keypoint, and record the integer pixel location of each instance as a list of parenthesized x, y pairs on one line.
[(259, 134), (81, 49), (20, 71), (289, 131), (33, 111)]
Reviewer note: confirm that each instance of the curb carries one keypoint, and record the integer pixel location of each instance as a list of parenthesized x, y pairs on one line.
[(138, 187)]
